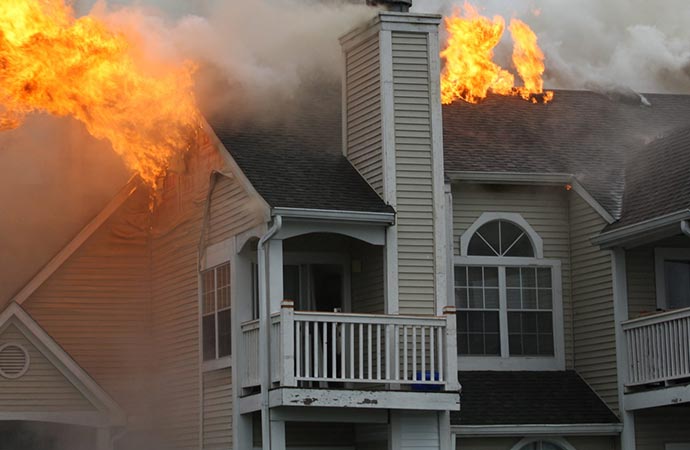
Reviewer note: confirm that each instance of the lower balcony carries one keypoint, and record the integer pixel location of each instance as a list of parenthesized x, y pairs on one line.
[(355, 360), (658, 354)]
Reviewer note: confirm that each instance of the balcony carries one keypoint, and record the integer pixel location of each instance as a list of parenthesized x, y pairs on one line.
[(658, 348), (317, 352)]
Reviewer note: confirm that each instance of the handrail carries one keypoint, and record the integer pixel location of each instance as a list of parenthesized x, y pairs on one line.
[(369, 318), (656, 318)]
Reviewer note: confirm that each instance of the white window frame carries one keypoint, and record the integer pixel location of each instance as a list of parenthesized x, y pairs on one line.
[(551, 440), (505, 361), (214, 256), (660, 256)]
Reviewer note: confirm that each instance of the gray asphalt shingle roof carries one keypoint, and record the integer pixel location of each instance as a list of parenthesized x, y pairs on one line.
[(530, 398)]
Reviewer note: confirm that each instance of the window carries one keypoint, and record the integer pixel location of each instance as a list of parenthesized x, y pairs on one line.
[(541, 445), (216, 312), (673, 278), (507, 295)]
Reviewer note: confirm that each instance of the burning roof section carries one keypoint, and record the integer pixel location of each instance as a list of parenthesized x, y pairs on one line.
[(583, 133)]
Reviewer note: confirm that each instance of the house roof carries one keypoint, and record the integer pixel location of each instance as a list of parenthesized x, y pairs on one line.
[(656, 179), (587, 134), (529, 398), (296, 160)]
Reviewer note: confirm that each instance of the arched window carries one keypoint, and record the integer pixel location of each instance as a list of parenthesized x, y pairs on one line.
[(543, 444), (506, 292)]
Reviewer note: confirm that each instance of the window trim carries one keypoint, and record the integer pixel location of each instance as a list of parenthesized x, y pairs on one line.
[(559, 441), (555, 362), (515, 218), (660, 256)]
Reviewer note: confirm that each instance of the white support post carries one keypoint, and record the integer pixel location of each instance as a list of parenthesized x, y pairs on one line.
[(620, 308), (277, 436), (275, 275), (445, 436), (451, 349), (287, 327), (103, 439)]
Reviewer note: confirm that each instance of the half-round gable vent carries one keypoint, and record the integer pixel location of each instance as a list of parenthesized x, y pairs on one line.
[(14, 360)]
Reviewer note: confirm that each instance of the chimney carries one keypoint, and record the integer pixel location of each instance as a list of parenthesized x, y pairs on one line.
[(392, 134), (392, 5)]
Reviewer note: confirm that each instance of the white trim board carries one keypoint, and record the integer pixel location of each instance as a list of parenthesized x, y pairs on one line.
[(604, 429), (639, 230), (76, 242), (112, 414)]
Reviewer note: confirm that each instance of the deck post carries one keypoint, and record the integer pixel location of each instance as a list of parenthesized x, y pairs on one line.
[(451, 346), (287, 327), (277, 435)]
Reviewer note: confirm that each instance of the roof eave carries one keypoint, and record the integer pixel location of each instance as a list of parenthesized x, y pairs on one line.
[(636, 231)]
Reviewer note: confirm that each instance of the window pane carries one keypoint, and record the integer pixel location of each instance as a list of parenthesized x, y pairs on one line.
[(461, 276), (461, 297), (476, 298), (475, 321), (529, 322), (544, 322), (491, 276), (474, 276), (544, 277), (530, 333), (529, 344), (463, 344), (509, 233), (491, 298), (461, 321), (512, 277), (476, 344), (528, 277), (489, 231), (480, 335), (545, 299), (493, 344), (545, 345), (208, 324), (491, 322), (514, 299), (529, 299), (515, 344), (677, 280), (224, 333), (477, 247), (523, 247)]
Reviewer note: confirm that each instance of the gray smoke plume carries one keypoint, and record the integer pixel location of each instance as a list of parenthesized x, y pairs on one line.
[(600, 45)]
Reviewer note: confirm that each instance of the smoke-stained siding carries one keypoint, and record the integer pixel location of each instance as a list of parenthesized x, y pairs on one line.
[(217, 414), (96, 307), (363, 112), (43, 388), (414, 172), (176, 235), (592, 293), (545, 209)]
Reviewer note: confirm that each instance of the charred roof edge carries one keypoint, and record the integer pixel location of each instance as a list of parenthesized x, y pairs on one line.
[(530, 178), (628, 233)]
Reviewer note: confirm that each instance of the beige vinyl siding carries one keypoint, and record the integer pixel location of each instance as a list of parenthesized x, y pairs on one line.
[(364, 148), (592, 298), (232, 211), (96, 307), (639, 267), (367, 284), (544, 208), (176, 233), (43, 388), (419, 430), (217, 415), (414, 173), (656, 427)]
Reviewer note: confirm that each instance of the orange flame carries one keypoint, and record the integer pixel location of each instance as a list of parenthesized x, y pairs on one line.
[(469, 72), (51, 62)]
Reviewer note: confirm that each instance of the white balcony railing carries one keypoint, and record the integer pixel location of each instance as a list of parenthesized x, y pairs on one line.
[(658, 347), (355, 349)]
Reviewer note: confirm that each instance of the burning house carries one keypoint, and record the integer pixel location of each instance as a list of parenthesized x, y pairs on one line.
[(375, 270)]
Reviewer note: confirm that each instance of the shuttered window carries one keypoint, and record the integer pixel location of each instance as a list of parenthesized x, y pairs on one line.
[(216, 313)]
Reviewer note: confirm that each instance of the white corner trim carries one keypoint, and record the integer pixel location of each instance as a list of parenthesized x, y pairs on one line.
[(515, 218), (88, 387), (335, 215), (538, 430), (630, 232), (554, 440), (217, 254), (660, 256), (74, 245)]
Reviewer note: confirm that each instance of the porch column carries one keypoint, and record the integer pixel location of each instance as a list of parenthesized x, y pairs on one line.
[(103, 439), (277, 435), (620, 308), (275, 274)]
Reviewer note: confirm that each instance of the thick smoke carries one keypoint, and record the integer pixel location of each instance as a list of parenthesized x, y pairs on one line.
[(601, 45)]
